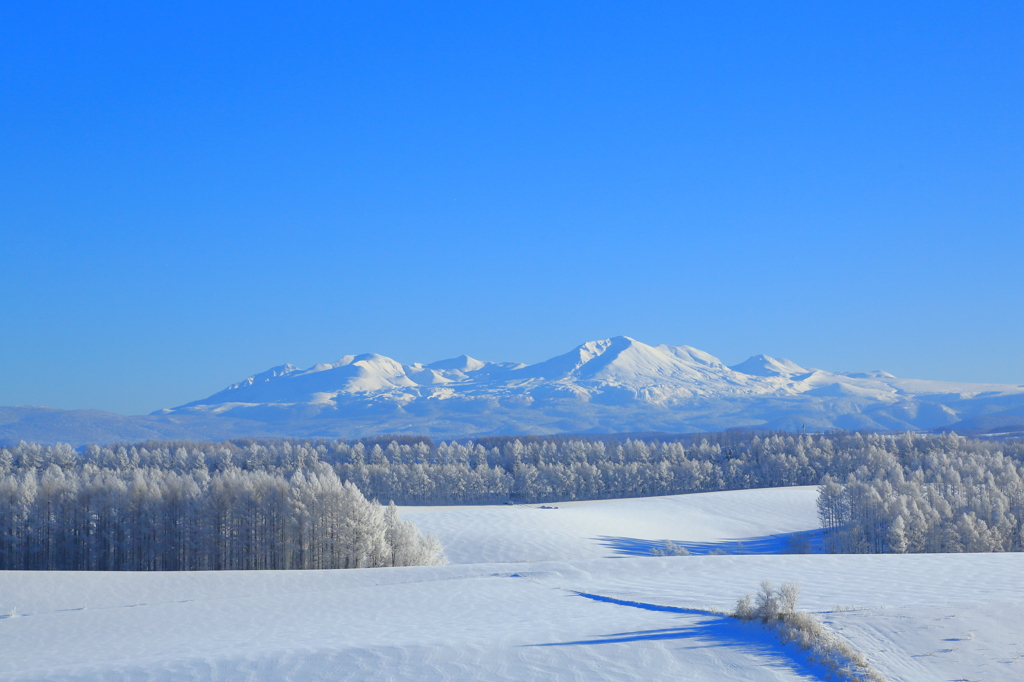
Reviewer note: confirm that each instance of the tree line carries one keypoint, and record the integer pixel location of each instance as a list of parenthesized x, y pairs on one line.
[(302, 503), (492, 470)]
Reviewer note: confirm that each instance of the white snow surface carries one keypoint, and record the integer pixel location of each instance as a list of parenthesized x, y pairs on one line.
[(757, 520), (561, 604), (611, 385)]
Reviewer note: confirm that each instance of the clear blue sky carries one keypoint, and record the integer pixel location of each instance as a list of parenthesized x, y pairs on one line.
[(191, 193)]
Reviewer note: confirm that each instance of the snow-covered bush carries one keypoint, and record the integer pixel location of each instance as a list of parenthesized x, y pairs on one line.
[(670, 548), (776, 610)]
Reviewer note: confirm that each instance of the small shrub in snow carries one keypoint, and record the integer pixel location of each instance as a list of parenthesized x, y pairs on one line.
[(766, 604), (788, 596), (776, 609), (670, 548), (744, 609)]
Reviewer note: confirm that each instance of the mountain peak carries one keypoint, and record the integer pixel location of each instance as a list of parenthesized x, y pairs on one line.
[(463, 363), (767, 366), (585, 359)]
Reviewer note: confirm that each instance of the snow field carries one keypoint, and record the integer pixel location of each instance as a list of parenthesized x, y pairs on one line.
[(917, 617), (749, 521)]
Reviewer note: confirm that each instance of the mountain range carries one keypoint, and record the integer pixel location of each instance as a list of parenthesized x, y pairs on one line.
[(617, 385)]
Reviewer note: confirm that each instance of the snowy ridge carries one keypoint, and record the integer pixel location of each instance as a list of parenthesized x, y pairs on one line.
[(610, 385)]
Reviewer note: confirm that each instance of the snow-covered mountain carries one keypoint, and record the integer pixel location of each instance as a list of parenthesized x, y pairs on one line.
[(612, 385)]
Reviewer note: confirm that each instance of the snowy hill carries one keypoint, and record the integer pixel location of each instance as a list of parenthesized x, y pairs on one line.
[(612, 385), (575, 600), (758, 521)]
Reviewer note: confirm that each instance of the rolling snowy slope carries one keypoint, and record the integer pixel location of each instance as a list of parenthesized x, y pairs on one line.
[(758, 521), (920, 618)]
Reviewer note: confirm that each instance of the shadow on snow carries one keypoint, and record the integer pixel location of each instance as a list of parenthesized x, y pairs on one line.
[(708, 631), (806, 542)]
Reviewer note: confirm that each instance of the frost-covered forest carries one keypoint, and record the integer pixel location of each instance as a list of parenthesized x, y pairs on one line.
[(940, 494), (304, 503), (87, 516)]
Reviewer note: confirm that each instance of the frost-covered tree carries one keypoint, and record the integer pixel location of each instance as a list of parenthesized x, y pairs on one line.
[(146, 518)]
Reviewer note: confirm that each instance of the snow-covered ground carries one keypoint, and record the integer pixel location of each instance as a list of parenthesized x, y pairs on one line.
[(574, 600), (748, 521)]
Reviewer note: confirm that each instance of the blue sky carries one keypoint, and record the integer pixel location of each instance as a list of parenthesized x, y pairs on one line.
[(190, 194)]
